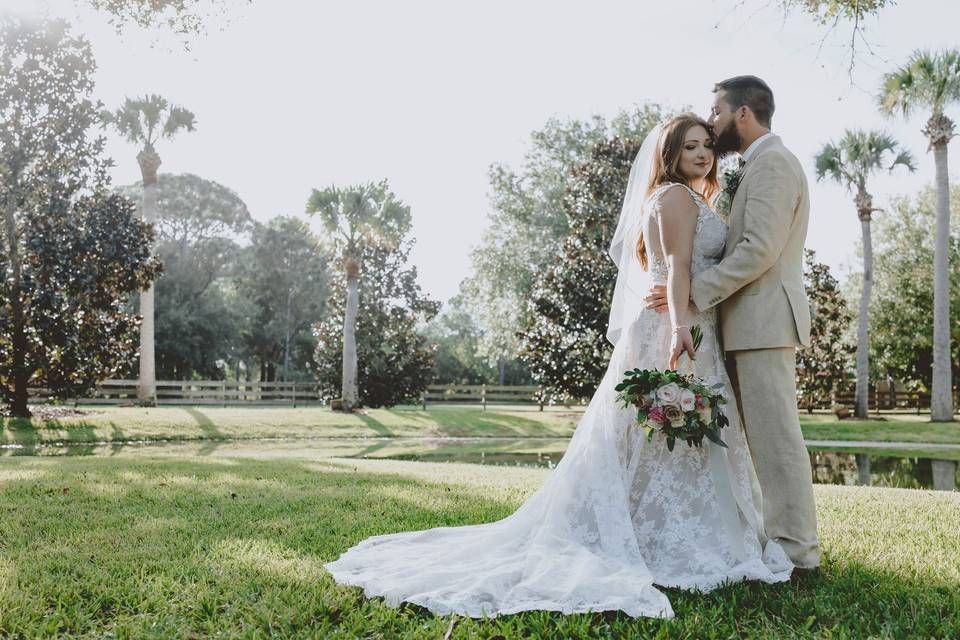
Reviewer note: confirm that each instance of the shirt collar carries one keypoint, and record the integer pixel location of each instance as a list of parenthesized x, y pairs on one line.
[(753, 147)]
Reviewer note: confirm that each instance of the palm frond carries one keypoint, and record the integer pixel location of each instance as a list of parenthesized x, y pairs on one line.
[(139, 119), (857, 155), (904, 159), (927, 80), (178, 118), (828, 163)]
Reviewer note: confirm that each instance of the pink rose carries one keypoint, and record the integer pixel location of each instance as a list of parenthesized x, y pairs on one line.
[(656, 414)]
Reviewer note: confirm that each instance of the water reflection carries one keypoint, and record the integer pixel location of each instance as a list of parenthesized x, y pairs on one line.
[(829, 467), (832, 467)]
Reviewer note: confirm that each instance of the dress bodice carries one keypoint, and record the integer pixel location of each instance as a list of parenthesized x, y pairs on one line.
[(708, 241)]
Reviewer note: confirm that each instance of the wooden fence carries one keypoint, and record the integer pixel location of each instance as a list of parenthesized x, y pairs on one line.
[(307, 393), (200, 392), (882, 400), (482, 394)]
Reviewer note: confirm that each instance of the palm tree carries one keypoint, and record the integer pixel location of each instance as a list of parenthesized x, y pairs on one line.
[(849, 163), (932, 81), (357, 218), (143, 122)]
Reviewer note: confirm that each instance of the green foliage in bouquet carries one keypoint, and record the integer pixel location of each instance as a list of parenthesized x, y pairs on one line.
[(680, 406), (697, 334)]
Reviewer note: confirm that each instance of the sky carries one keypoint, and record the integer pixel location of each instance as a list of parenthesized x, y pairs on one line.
[(292, 95)]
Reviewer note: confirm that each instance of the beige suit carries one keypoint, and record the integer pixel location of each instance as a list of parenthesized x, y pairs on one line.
[(764, 317)]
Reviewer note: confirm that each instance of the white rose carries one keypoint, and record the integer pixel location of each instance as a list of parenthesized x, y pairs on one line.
[(669, 393), (688, 400)]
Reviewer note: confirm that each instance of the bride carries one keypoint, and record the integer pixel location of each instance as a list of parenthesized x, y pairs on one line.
[(619, 516)]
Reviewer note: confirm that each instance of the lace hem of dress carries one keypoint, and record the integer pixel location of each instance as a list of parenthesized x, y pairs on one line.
[(772, 568), (657, 606)]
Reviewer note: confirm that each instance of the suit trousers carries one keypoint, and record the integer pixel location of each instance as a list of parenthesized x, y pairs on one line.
[(764, 382)]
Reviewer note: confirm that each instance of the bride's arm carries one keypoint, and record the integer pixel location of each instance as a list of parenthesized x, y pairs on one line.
[(678, 224)]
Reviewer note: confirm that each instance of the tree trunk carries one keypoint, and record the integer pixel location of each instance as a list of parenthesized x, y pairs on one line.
[(862, 406), (21, 377), (147, 387), (349, 381), (501, 366), (286, 334), (941, 399)]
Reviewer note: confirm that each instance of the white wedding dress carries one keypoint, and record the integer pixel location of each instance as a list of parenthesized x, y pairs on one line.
[(618, 515)]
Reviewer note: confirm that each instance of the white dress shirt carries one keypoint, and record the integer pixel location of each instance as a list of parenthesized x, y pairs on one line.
[(753, 147)]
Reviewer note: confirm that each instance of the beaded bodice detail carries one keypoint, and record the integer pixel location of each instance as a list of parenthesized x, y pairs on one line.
[(708, 241)]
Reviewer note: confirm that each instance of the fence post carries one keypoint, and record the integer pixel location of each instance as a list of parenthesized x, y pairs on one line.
[(294, 394), (483, 395), (540, 396), (423, 399)]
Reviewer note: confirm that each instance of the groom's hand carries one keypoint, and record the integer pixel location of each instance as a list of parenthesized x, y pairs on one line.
[(657, 299)]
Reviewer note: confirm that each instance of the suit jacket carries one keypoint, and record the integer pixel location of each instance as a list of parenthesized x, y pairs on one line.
[(759, 283)]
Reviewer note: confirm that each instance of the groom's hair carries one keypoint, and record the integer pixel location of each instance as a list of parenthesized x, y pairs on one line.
[(748, 91)]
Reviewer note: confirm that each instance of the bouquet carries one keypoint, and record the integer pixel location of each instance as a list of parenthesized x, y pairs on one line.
[(680, 406)]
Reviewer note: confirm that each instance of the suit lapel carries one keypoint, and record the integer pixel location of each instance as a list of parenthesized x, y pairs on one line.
[(748, 171)]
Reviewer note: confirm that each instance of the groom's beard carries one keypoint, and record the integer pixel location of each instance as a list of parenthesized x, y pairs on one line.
[(728, 140)]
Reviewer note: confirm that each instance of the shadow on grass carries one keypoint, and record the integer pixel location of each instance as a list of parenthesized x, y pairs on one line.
[(210, 431), (470, 421), (375, 425), (238, 550), (363, 453)]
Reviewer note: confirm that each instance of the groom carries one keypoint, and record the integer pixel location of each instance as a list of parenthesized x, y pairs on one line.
[(764, 315)]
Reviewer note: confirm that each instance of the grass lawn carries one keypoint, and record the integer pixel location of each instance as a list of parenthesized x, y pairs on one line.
[(218, 423), (206, 423), (919, 452), (888, 428), (167, 545)]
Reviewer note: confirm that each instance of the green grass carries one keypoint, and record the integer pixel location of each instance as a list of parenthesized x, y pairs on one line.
[(919, 452), (107, 424), (113, 424), (147, 544), (890, 428)]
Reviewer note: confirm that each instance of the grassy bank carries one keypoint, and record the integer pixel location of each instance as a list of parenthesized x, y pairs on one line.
[(884, 428), (110, 424), (192, 423), (149, 546)]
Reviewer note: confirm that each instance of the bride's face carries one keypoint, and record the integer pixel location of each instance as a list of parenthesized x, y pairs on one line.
[(696, 154)]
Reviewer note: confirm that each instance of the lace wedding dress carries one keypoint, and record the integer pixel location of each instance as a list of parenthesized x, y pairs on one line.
[(617, 516)]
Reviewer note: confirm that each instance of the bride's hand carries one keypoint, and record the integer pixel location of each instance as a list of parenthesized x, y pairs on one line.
[(681, 341)]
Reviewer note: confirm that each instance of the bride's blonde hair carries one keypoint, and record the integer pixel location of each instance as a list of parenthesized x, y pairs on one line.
[(666, 164)]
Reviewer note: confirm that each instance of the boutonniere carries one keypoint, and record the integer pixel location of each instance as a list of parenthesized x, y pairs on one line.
[(729, 181)]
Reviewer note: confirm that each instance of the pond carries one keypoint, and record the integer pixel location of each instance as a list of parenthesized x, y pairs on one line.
[(828, 466)]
